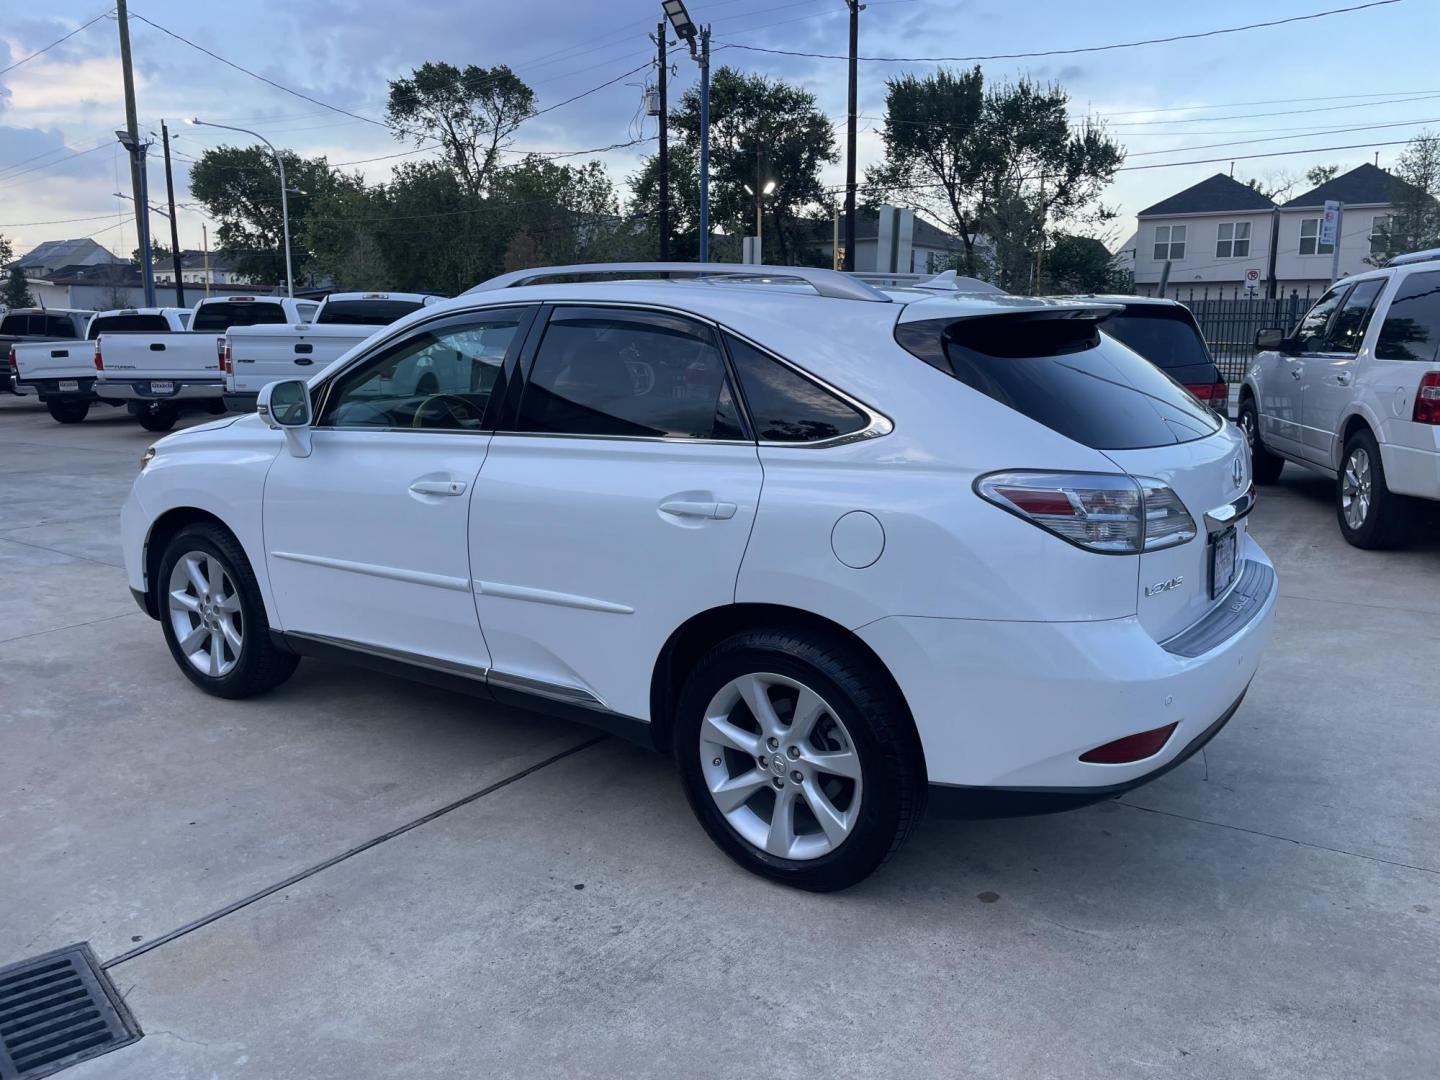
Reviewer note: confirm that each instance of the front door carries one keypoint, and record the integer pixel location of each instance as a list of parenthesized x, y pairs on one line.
[(1330, 374), (366, 537), (1283, 393), (618, 505)]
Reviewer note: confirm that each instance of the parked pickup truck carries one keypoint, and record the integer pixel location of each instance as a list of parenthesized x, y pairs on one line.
[(62, 373), (22, 325), (157, 374), (255, 355)]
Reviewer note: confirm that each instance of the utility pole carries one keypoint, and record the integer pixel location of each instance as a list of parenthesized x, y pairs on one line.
[(132, 126), (705, 144), (205, 248), (855, 8), (664, 148), (174, 229)]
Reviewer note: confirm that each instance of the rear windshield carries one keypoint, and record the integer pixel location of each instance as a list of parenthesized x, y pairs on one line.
[(38, 324), (1165, 336), (128, 324), (1061, 372), (365, 312), (224, 315)]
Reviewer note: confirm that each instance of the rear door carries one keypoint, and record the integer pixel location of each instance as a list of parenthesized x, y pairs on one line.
[(1329, 379), (617, 505)]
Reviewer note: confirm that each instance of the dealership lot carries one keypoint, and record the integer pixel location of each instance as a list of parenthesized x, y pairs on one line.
[(1270, 908)]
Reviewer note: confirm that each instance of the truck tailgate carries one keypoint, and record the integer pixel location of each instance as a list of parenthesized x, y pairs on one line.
[(185, 356), (264, 354), (55, 360)]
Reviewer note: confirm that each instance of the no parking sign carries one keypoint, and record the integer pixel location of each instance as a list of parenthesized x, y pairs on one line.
[(1252, 279)]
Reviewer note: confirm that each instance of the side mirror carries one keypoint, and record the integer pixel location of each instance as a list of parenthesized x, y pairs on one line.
[(285, 406), (1272, 340)]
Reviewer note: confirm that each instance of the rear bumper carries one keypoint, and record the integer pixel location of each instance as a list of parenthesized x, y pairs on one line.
[(1013, 705), (139, 389), (1411, 470), (49, 389)]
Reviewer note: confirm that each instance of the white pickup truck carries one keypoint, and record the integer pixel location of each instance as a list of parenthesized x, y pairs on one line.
[(62, 373), (255, 355), (158, 373)]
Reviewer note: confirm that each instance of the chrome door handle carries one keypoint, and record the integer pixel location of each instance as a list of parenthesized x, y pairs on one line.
[(438, 487), (715, 511), (1294, 373), (1345, 378)]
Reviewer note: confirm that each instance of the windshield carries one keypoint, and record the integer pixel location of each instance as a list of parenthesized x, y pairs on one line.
[(1060, 371), (365, 312), (225, 314)]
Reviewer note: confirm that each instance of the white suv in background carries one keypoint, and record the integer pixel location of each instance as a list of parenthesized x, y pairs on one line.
[(837, 550), (1354, 393)]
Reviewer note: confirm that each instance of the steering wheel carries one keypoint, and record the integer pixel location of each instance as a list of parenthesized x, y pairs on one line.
[(459, 409)]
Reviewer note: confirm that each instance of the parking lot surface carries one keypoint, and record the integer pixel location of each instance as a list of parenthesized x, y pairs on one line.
[(1270, 908)]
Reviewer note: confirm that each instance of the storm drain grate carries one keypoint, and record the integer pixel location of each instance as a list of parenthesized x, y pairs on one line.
[(57, 1010)]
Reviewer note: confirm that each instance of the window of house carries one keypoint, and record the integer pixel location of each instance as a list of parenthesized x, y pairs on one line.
[(607, 371), (1411, 330), (1380, 233), (785, 406), (1310, 238), (1233, 240), (1169, 242)]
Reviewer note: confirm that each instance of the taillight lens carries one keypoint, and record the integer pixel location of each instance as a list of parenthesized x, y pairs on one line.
[(1109, 513), (99, 360), (1212, 394), (14, 363), (1427, 399), (223, 347)]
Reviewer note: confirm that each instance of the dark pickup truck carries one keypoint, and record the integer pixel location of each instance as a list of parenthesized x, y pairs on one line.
[(24, 325)]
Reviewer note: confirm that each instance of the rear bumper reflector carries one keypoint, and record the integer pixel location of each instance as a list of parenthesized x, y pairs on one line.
[(1130, 748)]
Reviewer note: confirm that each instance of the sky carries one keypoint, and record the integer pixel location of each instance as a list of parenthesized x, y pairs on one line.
[(1363, 77)]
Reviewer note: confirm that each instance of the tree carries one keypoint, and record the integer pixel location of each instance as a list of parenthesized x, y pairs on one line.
[(1414, 223), (1003, 163), (1321, 174), (1277, 184), (16, 293), (761, 130), (159, 252), (6, 251), (567, 213), (1081, 264), (471, 113), (684, 204), (240, 187)]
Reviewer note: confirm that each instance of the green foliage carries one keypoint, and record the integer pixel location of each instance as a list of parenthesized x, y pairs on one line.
[(472, 113), (16, 293), (159, 252), (6, 251), (1081, 264), (1320, 174), (1415, 195), (1002, 163)]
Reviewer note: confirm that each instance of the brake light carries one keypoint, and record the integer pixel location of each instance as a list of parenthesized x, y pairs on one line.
[(13, 362), (99, 360), (1427, 399), (1211, 393), (1110, 513), (222, 349)]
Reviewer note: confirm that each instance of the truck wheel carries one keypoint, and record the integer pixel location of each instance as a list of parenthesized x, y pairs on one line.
[(1264, 466), (157, 416), (68, 410), (213, 617), (1371, 515), (798, 757)]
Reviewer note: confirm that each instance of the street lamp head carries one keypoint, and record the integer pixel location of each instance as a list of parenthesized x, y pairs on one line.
[(124, 137), (769, 187), (680, 19), (748, 189), (196, 121)]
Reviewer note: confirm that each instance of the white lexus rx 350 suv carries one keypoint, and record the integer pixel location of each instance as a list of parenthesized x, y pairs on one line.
[(840, 551)]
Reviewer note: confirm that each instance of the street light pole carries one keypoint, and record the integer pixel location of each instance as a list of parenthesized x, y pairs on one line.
[(855, 8), (284, 200), (705, 144)]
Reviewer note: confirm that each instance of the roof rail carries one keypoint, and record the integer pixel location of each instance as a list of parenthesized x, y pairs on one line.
[(831, 283), (1429, 255)]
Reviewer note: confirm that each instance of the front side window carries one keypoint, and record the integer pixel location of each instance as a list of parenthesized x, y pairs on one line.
[(1411, 330), (440, 379), (1347, 329), (785, 406), (1310, 238), (1233, 240), (618, 373), (1310, 334), (1169, 242)]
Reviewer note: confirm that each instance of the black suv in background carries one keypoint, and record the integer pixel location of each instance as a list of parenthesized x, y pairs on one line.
[(1166, 334)]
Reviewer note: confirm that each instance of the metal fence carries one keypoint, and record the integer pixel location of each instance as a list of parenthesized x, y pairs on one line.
[(1229, 326)]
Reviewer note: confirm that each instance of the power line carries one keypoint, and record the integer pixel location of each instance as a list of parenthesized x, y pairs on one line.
[(58, 41), (58, 221), (1271, 101), (1281, 138), (51, 164), (1067, 52)]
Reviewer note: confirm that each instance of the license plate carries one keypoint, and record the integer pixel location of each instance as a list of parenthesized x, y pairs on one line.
[(69, 384), (162, 387), (1222, 561)]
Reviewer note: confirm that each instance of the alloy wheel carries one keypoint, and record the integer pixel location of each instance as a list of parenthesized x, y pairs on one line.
[(781, 766), (1356, 483), (205, 613)]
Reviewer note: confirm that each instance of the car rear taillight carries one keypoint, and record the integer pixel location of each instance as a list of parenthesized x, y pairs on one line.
[(1130, 748), (1427, 399), (222, 347), (1216, 395), (99, 360), (1109, 513), (13, 362)]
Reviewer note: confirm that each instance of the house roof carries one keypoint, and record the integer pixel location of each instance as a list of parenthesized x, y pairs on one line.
[(62, 252), (1216, 194), (1366, 184)]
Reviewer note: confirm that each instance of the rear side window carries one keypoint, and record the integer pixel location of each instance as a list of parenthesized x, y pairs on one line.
[(18, 325), (128, 324), (1411, 330), (1166, 336), (1347, 329), (602, 371), (365, 312), (1061, 372), (785, 406), (58, 326), (222, 316)]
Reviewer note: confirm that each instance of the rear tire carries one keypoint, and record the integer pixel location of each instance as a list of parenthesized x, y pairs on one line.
[(157, 415), (68, 410), (857, 765), (213, 617), (1371, 516), (1265, 467)]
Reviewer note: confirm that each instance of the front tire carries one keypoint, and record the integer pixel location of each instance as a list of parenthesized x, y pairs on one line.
[(799, 757), (213, 617), (157, 415), (1371, 516), (1265, 467), (68, 410)]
